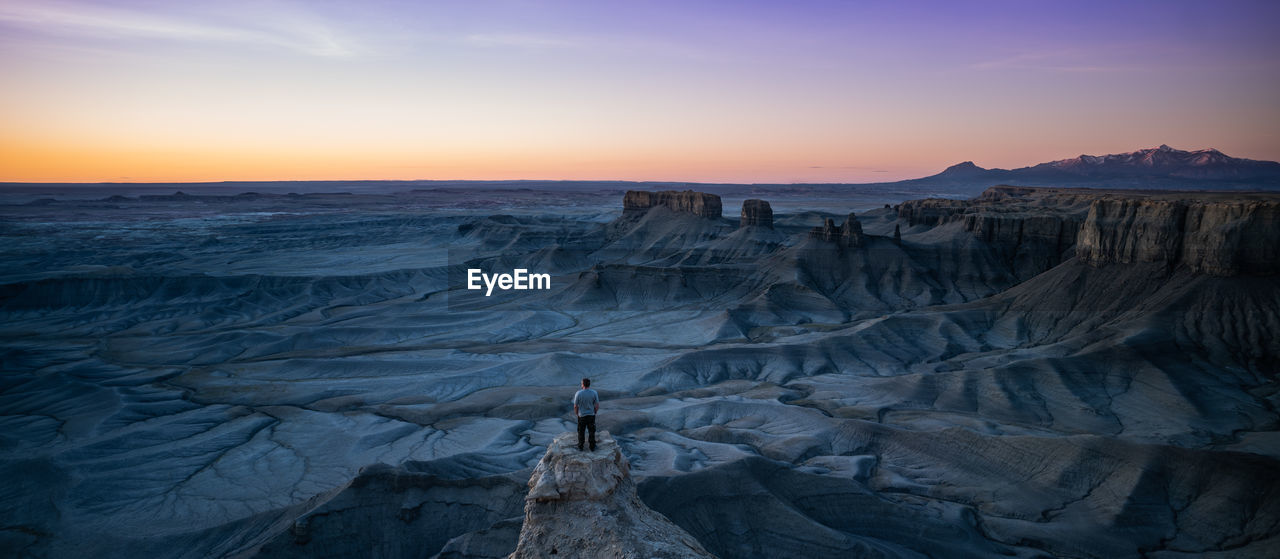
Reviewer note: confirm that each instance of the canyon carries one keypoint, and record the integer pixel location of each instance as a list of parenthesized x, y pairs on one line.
[(1029, 372)]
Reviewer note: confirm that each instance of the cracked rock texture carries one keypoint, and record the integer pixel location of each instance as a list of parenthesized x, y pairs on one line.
[(583, 504)]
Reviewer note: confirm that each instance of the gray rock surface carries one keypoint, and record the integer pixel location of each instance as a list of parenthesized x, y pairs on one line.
[(494, 542), (398, 512), (701, 204), (847, 234), (1223, 238), (756, 213), (184, 380), (583, 504)]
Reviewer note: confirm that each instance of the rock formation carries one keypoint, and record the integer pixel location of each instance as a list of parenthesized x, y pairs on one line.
[(1223, 238), (668, 220), (851, 232), (391, 511), (847, 234), (584, 504), (756, 213), (1214, 233), (780, 397), (700, 204), (1034, 228), (931, 211), (1013, 200), (1055, 233)]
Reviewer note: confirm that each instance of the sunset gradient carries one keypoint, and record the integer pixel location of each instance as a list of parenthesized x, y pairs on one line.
[(686, 91)]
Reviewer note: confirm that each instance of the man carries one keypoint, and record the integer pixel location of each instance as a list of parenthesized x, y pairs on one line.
[(585, 405)]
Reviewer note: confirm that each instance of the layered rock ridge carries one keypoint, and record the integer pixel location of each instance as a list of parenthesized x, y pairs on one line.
[(1214, 233), (1035, 228), (584, 504), (701, 204), (848, 234), (756, 213), (1059, 211), (1221, 238)]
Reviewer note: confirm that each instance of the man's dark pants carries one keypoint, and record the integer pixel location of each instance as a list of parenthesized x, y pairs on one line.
[(587, 422)]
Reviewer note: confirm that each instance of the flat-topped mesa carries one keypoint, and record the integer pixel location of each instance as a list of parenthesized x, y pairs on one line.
[(1049, 233), (756, 213), (584, 505), (848, 234), (1034, 221), (932, 211), (1221, 238), (1217, 233), (700, 204), (1068, 202)]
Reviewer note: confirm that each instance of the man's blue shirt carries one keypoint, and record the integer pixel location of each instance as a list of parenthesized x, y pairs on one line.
[(586, 400)]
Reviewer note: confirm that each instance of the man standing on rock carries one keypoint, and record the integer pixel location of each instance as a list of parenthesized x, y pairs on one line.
[(585, 405)]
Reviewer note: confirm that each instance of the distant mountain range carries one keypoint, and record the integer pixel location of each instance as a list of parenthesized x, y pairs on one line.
[(1155, 168), (1161, 167)]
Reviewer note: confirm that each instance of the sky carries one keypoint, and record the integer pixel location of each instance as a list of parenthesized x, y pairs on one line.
[(740, 91)]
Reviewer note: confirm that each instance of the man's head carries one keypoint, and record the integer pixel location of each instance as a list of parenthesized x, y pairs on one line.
[(586, 383)]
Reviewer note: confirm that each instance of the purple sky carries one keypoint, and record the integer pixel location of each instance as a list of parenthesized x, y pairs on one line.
[(706, 91)]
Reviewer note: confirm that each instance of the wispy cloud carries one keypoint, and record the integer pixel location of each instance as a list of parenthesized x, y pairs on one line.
[(855, 167), (1067, 60), (613, 44), (520, 40), (298, 34)]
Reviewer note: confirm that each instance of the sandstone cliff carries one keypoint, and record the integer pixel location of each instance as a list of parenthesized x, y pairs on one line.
[(932, 211), (698, 203), (847, 234), (1223, 234), (1034, 228), (1219, 237), (1070, 204), (1053, 233), (756, 213), (584, 504)]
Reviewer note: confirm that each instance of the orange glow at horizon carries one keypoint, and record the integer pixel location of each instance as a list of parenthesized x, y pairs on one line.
[(142, 92), (91, 164)]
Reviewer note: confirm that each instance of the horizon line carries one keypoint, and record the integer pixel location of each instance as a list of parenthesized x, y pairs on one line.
[(256, 181)]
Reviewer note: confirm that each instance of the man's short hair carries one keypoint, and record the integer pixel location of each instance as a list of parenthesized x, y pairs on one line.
[(586, 382)]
